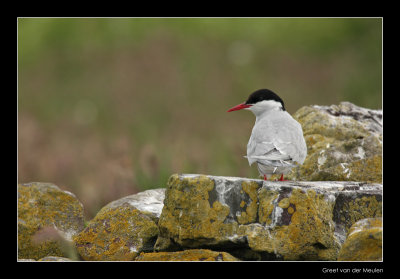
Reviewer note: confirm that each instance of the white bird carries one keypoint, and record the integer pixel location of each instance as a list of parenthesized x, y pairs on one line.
[(276, 143)]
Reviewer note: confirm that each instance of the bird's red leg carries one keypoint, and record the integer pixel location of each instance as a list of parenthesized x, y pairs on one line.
[(281, 179), (265, 177)]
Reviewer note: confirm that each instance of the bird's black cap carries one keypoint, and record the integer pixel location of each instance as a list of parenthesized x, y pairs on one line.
[(263, 94)]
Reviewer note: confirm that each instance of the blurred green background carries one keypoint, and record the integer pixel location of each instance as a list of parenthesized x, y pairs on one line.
[(112, 106)]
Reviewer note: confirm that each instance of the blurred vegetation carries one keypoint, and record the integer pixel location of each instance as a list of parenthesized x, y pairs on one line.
[(109, 107)]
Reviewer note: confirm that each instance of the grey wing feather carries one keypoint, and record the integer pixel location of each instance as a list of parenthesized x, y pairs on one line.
[(271, 141)]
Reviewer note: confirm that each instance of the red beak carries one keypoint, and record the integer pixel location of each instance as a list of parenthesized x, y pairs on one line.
[(238, 107)]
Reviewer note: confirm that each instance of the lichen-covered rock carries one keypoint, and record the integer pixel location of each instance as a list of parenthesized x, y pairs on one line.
[(192, 216), (344, 143), (47, 259), (359, 202), (119, 232), (54, 259), (299, 226), (364, 241), (187, 255), (148, 202), (256, 219), (48, 218)]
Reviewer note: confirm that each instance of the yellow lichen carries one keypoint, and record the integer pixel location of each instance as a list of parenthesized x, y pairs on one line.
[(364, 241), (41, 206), (284, 203), (266, 205), (187, 255), (115, 234), (328, 136), (293, 223), (360, 208), (250, 188), (187, 214), (309, 224)]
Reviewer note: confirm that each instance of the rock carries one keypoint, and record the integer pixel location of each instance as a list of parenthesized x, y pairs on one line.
[(48, 218), (54, 259), (344, 143), (119, 232), (364, 241), (354, 204), (149, 202), (187, 255), (263, 220)]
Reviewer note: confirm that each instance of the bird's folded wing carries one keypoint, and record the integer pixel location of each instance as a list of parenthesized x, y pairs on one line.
[(270, 151)]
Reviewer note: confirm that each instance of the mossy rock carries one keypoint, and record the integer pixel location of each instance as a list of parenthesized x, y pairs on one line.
[(364, 241), (117, 233), (344, 143), (48, 218), (263, 220), (187, 255)]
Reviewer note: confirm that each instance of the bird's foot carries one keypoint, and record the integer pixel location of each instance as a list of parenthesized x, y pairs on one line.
[(281, 179)]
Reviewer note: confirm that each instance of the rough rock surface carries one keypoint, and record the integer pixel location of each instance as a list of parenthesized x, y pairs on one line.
[(48, 259), (364, 241), (263, 220), (119, 232), (54, 259), (148, 202), (344, 143), (48, 218), (187, 255)]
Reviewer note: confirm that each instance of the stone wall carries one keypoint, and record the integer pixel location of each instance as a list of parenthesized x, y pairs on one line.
[(332, 210), (200, 217)]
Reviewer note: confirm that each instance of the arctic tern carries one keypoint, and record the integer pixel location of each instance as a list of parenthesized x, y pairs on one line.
[(276, 143)]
